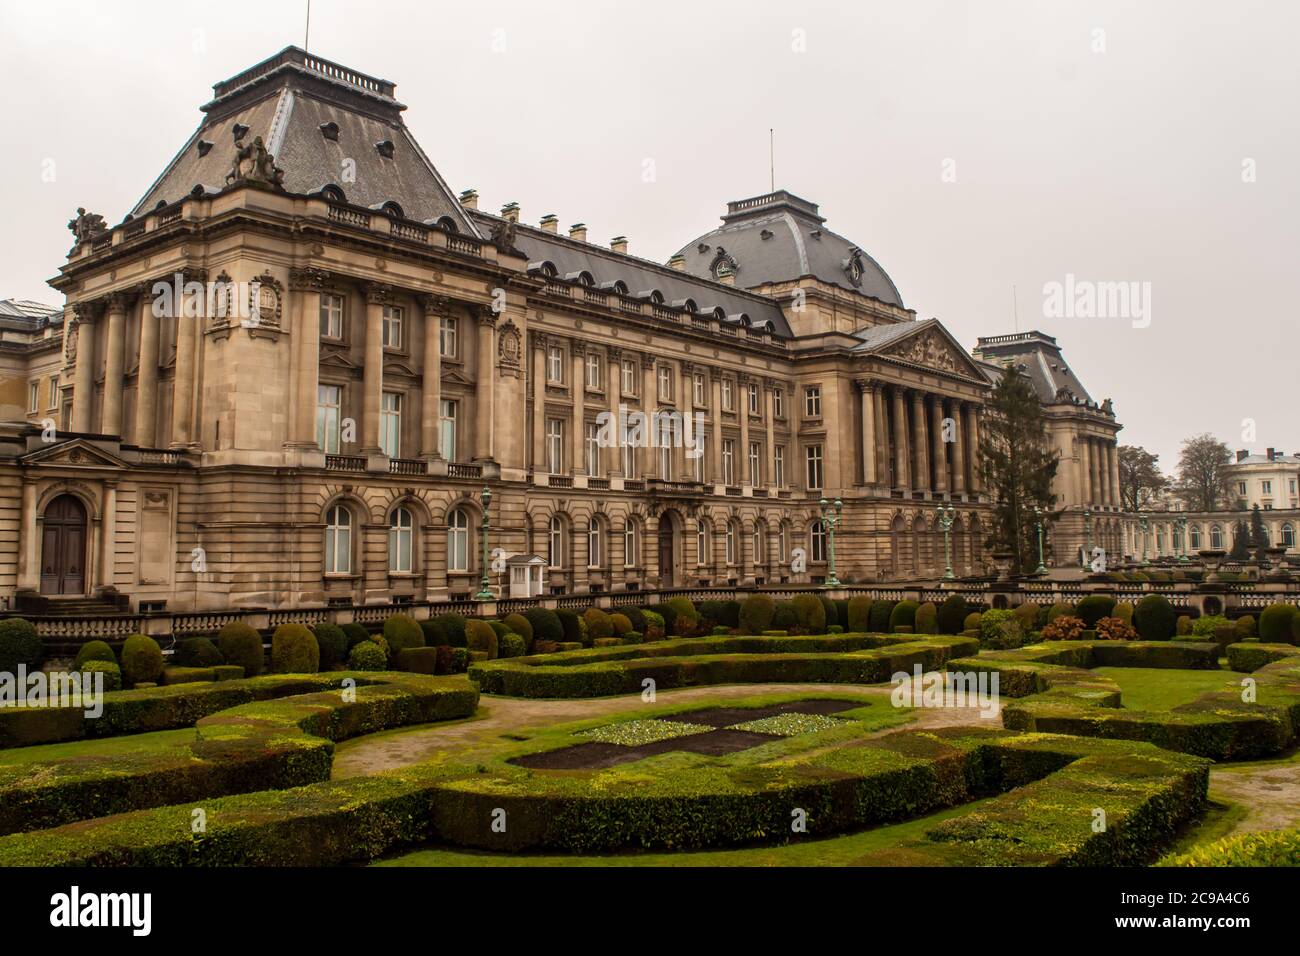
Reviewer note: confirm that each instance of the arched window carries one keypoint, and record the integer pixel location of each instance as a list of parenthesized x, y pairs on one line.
[(1194, 536), (759, 544), (731, 542), (1288, 536), (392, 209), (817, 551), (338, 540), (401, 536), (630, 549), (334, 193), (447, 223), (703, 544), (555, 543), (1216, 538), (458, 540), (595, 544), (783, 543)]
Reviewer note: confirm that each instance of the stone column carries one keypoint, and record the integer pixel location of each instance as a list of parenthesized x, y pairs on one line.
[(867, 395), (578, 391), (539, 402), (902, 455), (769, 400), (1112, 457), (884, 477), (305, 286), (82, 349), (108, 535), (114, 359), (649, 400), (959, 449), (188, 328), (145, 432), (29, 555), (436, 308), (378, 295), (973, 413), (485, 385), (937, 443), (614, 396), (742, 387), (921, 480), (715, 431)]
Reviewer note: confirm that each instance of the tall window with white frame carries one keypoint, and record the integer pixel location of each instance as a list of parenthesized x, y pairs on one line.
[(54, 394), (555, 542), (338, 540), (555, 364), (449, 336), (726, 395), (812, 401), (555, 445), (594, 362), (447, 414), (817, 542), (394, 327), (665, 383), (629, 460), (401, 539), (778, 402), (703, 543), (593, 449), (331, 316), (778, 466), (728, 461), (813, 461), (629, 377), (329, 410), (390, 425), (730, 544), (595, 543), (699, 452), (629, 543), (755, 464), (757, 543), (701, 390), (753, 394), (783, 543), (33, 397), (458, 550)]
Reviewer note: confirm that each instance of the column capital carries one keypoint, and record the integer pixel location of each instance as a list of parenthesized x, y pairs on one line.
[(118, 301), (773, 383), (485, 315), (615, 353), (307, 279), (379, 293), (540, 339), (715, 374), (437, 305), (866, 384), (688, 367), (578, 348), (84, 313), (647, 361)]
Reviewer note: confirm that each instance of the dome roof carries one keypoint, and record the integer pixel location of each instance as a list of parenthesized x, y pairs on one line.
[(778, 237)]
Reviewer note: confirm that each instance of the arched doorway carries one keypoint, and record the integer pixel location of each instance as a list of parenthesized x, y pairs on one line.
[(63, 547), (669, 552)]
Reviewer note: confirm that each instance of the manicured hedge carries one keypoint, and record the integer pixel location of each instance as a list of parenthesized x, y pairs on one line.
[(196, 652), (1251, 657), (519, 624), (1154, 618), (240, 644), (1094, 607), (952, 614), (333, 644), (479, 636), (93, 651), (142, 660), (294, 650), (903, 614), (402, 631), (19, 644), (367, 656), (1270, 848), (1275, 623), (859, 613)]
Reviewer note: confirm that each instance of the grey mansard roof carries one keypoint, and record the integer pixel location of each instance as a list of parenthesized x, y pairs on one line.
[(291, 100), (1040, 358), (779, 237)]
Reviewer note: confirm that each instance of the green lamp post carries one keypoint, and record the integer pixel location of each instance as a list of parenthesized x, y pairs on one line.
[(945, 514), (1087, 537), (1042, 568), (485, 586), (1145, 526), (831, 515)]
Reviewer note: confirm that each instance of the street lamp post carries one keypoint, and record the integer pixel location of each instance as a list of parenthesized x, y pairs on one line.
[(831, 515), (485, 588), (1144, 525), (1087, 537), (1042, 568), (945, 515)]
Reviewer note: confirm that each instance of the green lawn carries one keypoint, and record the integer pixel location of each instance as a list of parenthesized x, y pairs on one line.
[(834, 851), (1155, 689)]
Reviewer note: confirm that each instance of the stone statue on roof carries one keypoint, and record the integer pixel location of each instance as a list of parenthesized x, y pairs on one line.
[(253, 164), (86, 225)]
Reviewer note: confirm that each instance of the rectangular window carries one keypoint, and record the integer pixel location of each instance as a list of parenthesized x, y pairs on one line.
[(778, 402), (593, 449), (1267, 487), (753, 399), (728, 461), (665, 383), (390, 425), (593, 370), (755, 466), (666, 464), (701, 391), (1241, 487), (629, 377), (629, 460), (697, 463), (33, 396), (555, 364), (449, 336), (554, 445), (329, 410), (54, 394), (447, 429), (331, 316), (812, 401), (778, 466), (813, 458), (726, 394), (393, 331)]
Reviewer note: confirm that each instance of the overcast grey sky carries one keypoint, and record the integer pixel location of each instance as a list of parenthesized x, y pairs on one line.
[(1119, 155)]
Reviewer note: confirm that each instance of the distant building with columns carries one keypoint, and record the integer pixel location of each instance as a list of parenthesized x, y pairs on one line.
[(286, 375)]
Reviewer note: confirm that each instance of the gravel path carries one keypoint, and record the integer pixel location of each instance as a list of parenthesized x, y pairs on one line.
[(1270, 792)]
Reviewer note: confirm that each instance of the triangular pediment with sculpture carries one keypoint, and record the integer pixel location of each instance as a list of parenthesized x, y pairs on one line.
[(931, 346), (75, 453)]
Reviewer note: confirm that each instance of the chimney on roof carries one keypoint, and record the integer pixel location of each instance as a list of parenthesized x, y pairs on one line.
[(1241, 454), (550, 223), (1270, 454), (677, 262), (510, 212), (725, 275), (619, 244), (578, 231), (469, 199)]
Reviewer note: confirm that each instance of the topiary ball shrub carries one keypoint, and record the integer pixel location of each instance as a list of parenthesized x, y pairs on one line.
[(1060, 609), (1115, 629), (459, 660), (401, 631), (500, 628), (834, 629), (830, 614), (1183, 625), (19, 644), (480, 637), (1208, 625), (1275, 623), (952, 614), (1093, 608), (903, 614), (546, 624), (196, 652), (859, 613), (241, 645), (435, 633), (1245, 625), (881, 611), (688, 618), (333, 644), (809, 613), (1001, 630), (142, 660), (520, 625), (669, 614), (972, 621), (633, 637), (453, 625), (635, 615), (367, 656), (416, 660), (445, 656), (294, 650), (756, 613), (356, 633), (715, 614), (927, 619), (112, 673), (512, 645), (1028, 614), (655, 627), (1124, 611), (1154, 618), (1064, 627), (599, 626), (569, 623), (94, 651), (621, 624)]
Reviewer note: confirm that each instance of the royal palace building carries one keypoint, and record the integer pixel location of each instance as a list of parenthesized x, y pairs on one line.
[(288, 375)]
